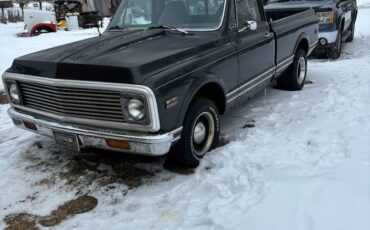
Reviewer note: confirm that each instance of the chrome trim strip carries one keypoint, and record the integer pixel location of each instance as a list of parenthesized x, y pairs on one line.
[(284, 64), (286, 60), (312, 48), (146, 144), (258, 83), (314, 44), (188, 29), (250, 85), (281, 68), (123, 88), (176, 134), (213, 29)]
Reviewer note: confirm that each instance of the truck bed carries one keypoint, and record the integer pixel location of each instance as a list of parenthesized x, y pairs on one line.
[(289, 25)]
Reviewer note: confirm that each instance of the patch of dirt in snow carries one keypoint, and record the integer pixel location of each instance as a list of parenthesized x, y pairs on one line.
[(3, 98), (105, 169), (84, 172), (21, 221), (249, 125)]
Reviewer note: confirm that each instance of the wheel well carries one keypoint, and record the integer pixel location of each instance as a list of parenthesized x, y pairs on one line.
[(40, 28), (303, 44), (215, 93)]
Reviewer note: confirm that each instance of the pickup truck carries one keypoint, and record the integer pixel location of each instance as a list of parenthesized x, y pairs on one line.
[(337, 22), (160, 76)]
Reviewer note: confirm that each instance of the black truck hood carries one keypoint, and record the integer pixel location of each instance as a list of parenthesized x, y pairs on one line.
[(128, 56)]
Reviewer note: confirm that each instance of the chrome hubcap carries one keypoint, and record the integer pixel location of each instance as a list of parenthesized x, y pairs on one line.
[(199, 132), (301, 70), (203, 134)]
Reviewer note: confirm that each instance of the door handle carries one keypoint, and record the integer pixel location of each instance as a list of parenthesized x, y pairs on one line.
[(268, 34)]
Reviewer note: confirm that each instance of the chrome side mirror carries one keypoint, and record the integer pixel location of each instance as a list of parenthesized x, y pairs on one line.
[(249, 25)]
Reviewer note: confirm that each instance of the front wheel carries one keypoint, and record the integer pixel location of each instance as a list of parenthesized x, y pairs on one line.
[(295, 76), (200, 134)]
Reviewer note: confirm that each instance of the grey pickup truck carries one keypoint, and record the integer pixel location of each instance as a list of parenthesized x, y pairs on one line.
[(337, 19), (160, 76)]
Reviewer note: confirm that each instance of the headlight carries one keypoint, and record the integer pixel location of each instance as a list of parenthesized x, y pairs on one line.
[(325, 17), (13, 92), (136, 109)]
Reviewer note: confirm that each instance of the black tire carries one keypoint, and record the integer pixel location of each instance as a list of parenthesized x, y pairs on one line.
[(334, 52), (295, 76), (187, 152), (352, 29)]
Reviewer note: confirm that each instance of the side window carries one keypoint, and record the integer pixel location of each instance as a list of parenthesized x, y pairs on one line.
[(248, 10)]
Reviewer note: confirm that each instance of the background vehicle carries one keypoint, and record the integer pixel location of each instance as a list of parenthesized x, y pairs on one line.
[(337, 21), (161, 75), (38, 21)]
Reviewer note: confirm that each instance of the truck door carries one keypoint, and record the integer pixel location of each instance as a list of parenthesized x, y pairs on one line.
[(255, 46)]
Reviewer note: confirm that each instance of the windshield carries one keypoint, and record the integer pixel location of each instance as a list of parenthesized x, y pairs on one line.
[(182, 14)]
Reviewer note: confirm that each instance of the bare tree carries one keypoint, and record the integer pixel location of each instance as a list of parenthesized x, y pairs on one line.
[(40, 4)]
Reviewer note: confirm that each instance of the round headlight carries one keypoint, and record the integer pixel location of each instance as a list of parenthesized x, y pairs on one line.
[(136, 109), (13, 91)]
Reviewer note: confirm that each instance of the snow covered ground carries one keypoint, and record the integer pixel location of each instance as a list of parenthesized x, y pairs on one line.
[(305, 164)]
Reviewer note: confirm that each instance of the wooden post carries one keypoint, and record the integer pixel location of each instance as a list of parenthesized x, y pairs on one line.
[(3, 5), (21, 4), (3, 18)]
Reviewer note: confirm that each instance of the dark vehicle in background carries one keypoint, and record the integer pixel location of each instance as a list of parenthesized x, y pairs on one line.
[(160, 76), (337, 21)]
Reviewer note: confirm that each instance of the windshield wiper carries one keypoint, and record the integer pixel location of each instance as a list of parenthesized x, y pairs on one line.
[(166, 27), (117, 28)]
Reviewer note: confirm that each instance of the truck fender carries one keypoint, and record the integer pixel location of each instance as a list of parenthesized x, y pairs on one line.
[(342, 20), (50, 26), (302, 38), (194, 89)]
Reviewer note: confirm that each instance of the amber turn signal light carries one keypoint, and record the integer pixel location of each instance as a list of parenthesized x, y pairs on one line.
[(118, 144)]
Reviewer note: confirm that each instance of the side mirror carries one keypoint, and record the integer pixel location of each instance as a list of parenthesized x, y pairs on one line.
[(248, 25)]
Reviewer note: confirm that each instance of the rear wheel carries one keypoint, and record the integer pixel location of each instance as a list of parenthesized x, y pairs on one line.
[(200, 134), (334, 52), (295, 76)]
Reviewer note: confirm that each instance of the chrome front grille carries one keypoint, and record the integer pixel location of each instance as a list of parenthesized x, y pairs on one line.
[(73, 102)]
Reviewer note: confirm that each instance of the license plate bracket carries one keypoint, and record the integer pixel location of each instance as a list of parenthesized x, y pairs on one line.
[(67, 140)]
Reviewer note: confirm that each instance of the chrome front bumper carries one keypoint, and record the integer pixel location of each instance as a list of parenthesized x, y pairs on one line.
[(331, 37), (139, 143)]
